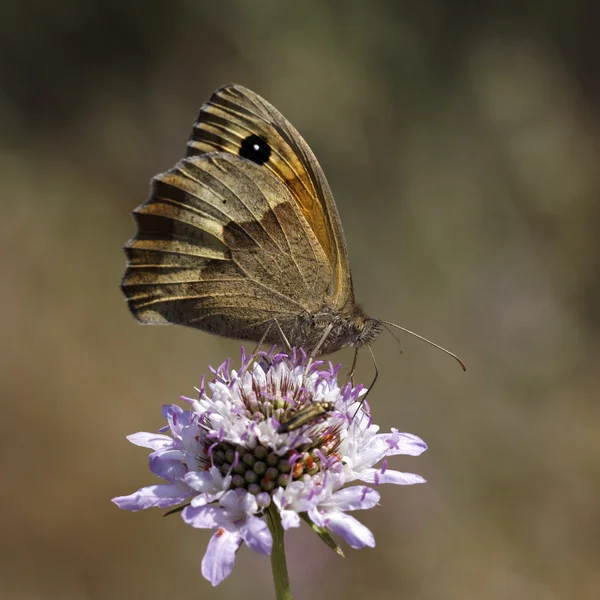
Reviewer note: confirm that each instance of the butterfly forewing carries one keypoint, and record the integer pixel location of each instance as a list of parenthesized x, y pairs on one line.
[(238, 121)]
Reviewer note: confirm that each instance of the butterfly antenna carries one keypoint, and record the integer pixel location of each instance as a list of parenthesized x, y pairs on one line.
[(420, 337)]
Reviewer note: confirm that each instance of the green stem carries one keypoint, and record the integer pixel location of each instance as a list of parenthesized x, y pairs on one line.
[(278, 563)]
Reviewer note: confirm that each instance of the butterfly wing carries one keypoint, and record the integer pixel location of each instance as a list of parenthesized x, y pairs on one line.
[(235, 120), (222, 245)]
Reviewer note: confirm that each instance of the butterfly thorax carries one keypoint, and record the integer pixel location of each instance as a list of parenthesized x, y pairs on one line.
[(307, 330)]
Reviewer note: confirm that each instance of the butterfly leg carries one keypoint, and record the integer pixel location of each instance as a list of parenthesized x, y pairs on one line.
[(362, 400), (316, 349), (263, 338), (353, 367), (260, 343), (284, 339)]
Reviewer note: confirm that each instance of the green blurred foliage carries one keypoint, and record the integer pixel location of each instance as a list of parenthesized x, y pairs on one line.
[(461, 142)]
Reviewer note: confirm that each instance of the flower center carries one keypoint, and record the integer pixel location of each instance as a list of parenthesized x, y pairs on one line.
[(262, 470), (306, 435)]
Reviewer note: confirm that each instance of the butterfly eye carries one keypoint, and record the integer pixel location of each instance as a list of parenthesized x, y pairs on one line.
[(256, 149), (359, 326)]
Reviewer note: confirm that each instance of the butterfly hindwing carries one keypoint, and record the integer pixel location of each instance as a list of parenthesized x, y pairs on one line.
[(221, 245)]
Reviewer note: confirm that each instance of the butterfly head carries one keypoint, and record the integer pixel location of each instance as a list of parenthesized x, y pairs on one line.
[(365, 329)]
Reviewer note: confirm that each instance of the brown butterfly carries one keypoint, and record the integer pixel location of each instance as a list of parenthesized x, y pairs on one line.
[(242, 238)]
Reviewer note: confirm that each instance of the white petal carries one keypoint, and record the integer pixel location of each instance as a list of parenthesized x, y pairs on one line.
[(237, 504), (207, 482), (289, 519), (197, 480), (247, 503), (200, 500)]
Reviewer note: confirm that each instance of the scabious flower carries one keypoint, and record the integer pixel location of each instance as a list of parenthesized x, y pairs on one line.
[(278, 435)]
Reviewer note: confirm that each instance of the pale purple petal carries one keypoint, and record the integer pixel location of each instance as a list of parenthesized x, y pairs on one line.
[(353, 531), (257, 535), (366, 474), (317, 517), (202, 517), (399, 478), (218, 561), (155, 441), (177, 418), (167, 469), (172, 454), (161, 495), (353, 498), (406, 443)]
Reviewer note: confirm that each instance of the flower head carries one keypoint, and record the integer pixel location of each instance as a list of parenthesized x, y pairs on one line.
[(279, 434)]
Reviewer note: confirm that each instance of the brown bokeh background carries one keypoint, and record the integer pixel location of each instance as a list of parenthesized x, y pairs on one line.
[(461, 142)]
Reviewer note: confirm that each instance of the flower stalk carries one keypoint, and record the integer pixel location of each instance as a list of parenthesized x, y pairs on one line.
[(278, 560)]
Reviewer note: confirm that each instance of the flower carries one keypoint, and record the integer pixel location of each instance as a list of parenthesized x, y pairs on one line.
[(279, 434)]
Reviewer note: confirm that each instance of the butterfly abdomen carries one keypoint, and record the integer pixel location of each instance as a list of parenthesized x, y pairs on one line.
[(344, 330)]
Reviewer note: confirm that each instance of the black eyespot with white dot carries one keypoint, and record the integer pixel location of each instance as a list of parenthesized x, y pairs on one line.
[(256, 149)]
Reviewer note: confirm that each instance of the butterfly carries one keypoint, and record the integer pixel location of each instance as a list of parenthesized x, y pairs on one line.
[(242, 238)]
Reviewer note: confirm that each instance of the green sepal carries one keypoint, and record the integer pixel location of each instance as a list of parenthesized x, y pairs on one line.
[(176, 510), (323, 534)]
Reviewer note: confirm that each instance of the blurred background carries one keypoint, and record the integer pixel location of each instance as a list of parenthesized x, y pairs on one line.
[(461, 142)]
